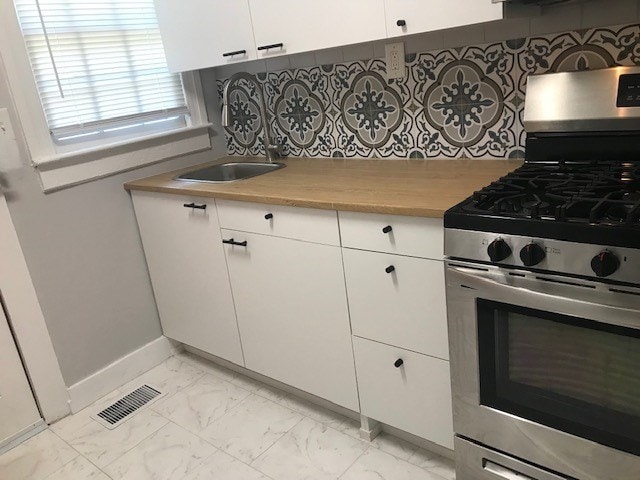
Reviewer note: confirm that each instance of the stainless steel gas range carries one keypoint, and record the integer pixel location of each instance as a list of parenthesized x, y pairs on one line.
[(543, 293)]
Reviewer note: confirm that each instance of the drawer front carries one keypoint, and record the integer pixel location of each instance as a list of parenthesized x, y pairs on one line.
[(415, 397), (398, 300), (474, 462), (308, 224), (415, 236)]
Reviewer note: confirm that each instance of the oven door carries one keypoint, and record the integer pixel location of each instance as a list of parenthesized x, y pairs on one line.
[(546, 369)]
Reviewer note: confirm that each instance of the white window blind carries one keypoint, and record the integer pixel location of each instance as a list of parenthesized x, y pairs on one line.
[(99, 65)]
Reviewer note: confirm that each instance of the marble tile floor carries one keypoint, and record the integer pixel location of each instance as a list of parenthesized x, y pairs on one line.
[(215, 424)]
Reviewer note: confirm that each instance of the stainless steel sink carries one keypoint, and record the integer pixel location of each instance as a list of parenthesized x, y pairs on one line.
[(229, 172)]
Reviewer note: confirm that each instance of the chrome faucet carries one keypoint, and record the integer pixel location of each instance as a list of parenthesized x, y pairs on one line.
[(272, 149)]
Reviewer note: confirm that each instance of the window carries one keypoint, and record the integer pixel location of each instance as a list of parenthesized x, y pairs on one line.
[(99, 68)]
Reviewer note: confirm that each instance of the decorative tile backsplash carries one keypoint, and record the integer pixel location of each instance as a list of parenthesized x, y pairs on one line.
[(462, 102)]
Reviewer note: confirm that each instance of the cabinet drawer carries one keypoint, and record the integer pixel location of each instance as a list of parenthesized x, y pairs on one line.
[(308, 224), (405, 307), (415, 397), (415, 236)]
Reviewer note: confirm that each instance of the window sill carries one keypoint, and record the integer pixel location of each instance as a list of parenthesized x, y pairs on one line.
[(69, 169)]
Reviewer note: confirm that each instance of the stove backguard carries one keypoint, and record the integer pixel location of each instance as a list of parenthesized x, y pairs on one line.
[(585, 147)]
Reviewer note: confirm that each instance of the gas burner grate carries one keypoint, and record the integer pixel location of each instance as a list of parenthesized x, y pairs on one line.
[(594, 193)]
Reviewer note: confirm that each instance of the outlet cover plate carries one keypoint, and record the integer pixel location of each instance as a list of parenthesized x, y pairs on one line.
[(394, 53)]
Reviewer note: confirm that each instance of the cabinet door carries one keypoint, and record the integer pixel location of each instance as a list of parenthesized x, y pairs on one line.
[(398, 300), (304, 25), (413, 395), (292, 312), (188, 272), (424, 16), (198, 33)]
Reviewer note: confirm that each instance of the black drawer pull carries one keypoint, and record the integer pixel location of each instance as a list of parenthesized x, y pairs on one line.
[(268, 216), (231, 241), (398, 363), (390, 269), (269, 47), (237, 52), (401, 23), (193, 205), (387, 229)]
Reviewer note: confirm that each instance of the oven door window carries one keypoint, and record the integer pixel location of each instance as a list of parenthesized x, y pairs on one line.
[(572, 374)]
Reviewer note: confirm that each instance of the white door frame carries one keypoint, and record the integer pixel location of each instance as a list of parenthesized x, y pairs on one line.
[(28, 324)]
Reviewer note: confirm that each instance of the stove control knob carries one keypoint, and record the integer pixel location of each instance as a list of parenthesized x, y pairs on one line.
[(605, 263), (498, 250), (532, 254)]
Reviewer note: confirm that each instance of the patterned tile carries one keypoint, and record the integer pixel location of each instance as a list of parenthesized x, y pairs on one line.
[(462, 104), (457, 102), (497, 139), (607, 47)]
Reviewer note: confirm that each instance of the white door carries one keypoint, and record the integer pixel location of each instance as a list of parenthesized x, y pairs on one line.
[(305, 25), (292, 312), (18, 410), (406, 17), (183, 247)]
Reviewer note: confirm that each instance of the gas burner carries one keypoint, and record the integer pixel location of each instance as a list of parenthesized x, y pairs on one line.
[(605, 193)]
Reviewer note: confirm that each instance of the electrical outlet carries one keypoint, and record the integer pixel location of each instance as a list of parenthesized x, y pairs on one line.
[(394, 53)]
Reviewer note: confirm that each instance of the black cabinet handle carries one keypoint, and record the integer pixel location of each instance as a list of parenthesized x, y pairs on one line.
[(398, 363), (237, 52), (390, 269), (193, 205), (401, 23), (273, 45), (231, 241), (387, 229), (268, 216)]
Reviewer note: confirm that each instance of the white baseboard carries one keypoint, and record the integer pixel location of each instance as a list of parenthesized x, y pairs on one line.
[(123, 370)]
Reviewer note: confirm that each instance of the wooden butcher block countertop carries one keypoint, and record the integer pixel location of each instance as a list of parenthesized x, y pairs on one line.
[(425, 188)]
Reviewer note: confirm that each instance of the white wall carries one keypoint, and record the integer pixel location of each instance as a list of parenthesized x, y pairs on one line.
[(85, 257)]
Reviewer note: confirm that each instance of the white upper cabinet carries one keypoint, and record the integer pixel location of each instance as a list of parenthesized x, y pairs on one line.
[(407, 17), (304, 25), (205, 33)]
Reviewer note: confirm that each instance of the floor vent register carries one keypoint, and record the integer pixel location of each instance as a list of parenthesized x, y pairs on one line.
[(127, 406)]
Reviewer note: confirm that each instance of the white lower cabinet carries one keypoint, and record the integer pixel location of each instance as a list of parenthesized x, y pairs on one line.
[(184, 253), (405, 389), (292, 312), (271, 288)]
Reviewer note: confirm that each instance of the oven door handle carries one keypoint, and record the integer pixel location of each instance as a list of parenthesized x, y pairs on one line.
[(590, 303)]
